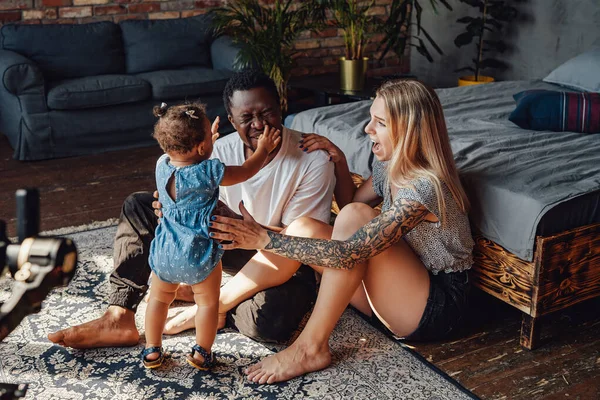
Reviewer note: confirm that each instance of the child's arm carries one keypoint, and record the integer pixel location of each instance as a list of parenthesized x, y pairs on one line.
[(267, 142)]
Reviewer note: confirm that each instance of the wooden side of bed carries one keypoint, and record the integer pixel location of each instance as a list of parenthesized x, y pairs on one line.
[(565, 271)]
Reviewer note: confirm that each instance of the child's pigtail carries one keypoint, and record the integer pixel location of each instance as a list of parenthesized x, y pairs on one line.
[(161, 110)]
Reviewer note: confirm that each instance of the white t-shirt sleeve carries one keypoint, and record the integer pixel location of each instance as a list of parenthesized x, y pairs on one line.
[(313, 196)]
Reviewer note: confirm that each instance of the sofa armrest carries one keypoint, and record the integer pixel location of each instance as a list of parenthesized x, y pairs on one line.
[(223, 53), (21, 77)]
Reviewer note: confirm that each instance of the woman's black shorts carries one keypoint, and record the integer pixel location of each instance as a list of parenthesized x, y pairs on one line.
[(445, 309)]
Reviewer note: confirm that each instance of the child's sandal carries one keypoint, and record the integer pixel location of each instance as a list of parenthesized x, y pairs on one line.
[(153, 363), (209, 358)]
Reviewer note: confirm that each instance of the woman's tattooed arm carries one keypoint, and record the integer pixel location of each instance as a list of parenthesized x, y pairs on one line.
[(370, 240)]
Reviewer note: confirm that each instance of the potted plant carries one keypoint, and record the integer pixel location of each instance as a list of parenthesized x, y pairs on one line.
[(492, 15), (353, 18), (397, 29), (267, 35)]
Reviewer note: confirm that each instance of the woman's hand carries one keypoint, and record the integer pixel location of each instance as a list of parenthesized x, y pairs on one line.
[(243, 234), (157, 205), (214, 129), (223, 210), (311, 142)]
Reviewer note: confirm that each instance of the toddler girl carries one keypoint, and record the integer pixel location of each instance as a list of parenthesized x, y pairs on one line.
[(182, 250)]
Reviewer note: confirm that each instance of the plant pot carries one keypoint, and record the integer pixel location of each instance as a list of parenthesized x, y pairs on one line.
[(352, 74), (470, 80)]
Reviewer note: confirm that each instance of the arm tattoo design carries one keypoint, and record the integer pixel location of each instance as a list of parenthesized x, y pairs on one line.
[(370, 240)]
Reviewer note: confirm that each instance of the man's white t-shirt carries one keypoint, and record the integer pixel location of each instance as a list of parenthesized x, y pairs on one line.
[(294, 184)]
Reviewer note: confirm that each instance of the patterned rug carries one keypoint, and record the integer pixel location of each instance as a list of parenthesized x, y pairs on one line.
[(366, 363)]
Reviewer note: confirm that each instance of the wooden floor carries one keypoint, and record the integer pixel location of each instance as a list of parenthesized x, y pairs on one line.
[(486, 359)]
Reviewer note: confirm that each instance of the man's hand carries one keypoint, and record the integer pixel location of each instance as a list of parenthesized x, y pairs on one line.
[(156, 205), (222, 209)]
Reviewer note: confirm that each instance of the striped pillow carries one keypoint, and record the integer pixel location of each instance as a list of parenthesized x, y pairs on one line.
[(547, 110)]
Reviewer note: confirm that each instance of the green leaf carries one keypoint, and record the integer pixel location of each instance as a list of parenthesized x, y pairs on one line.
[(432, 42), (463, 39), (423, 51), (419, 10), (444, 2)]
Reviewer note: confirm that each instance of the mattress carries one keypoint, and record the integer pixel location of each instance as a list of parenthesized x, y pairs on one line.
[(521, 183)]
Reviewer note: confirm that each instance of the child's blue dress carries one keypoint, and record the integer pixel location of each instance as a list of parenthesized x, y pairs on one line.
[(181, 250)]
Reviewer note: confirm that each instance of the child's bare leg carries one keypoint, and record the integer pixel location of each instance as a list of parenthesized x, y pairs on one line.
[(206, 296), (162, 295)]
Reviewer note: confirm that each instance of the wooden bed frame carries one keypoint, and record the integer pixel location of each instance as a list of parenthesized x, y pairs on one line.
[(565, 270)]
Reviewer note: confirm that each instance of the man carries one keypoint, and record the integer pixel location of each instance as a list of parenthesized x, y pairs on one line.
[(291, 184)]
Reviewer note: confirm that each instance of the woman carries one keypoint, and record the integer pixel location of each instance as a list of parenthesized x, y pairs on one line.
[(404, 267)]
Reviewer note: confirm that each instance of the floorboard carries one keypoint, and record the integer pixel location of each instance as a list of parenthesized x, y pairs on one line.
[(486, 357)]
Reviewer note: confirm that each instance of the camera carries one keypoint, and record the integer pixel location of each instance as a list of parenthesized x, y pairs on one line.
[(37, 264)]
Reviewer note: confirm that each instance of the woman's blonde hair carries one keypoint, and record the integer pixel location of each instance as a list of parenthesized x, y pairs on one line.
[(420, 138)]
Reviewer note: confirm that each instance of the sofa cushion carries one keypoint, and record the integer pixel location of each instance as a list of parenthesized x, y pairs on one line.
[(97, 91), (152, 45), (68, 51), (188, 83)]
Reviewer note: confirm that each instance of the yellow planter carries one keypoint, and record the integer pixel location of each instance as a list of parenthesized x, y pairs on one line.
[(352, 73), (470, 80)]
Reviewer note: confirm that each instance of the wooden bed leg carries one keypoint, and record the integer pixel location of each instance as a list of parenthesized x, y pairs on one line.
[(530, 332)]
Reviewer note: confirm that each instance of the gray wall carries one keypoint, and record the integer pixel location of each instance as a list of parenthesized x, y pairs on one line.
[(546, 34)]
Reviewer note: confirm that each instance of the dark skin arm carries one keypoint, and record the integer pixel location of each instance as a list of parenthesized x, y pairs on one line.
[(376, 236)]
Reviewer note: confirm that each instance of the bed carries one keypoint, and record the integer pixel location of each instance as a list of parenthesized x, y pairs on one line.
[(535, 195)]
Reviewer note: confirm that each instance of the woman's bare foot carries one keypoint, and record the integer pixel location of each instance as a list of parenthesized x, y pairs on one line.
[(181, 322), (296, 360), (186, 320), (115, 328)]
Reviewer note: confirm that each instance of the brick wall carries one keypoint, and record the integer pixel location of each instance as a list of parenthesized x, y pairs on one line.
[(319, 52)]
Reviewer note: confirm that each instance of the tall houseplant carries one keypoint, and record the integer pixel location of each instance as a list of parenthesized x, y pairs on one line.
[(492, 15), (354, 19), (397, 29), (267, 35)]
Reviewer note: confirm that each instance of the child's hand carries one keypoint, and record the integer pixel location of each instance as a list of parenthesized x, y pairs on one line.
[(214, 129), (270, 139)]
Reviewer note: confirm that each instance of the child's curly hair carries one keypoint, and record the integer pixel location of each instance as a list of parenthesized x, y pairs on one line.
[(180, 128)]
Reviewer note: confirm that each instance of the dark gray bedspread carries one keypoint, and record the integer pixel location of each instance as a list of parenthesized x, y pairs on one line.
[(513, 176)]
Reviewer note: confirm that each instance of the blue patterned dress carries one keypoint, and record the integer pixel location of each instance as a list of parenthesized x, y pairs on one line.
[(181, 251)]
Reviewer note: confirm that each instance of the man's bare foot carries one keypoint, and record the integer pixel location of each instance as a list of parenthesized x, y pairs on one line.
[(296, 360), (115, 328), (186, 320), (184, 293)]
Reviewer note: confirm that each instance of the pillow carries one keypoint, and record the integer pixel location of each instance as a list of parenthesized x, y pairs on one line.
[(548, 110), (153, 45), (580, 72)]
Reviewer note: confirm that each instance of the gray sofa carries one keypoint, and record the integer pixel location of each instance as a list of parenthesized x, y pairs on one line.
[(68, 90)]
